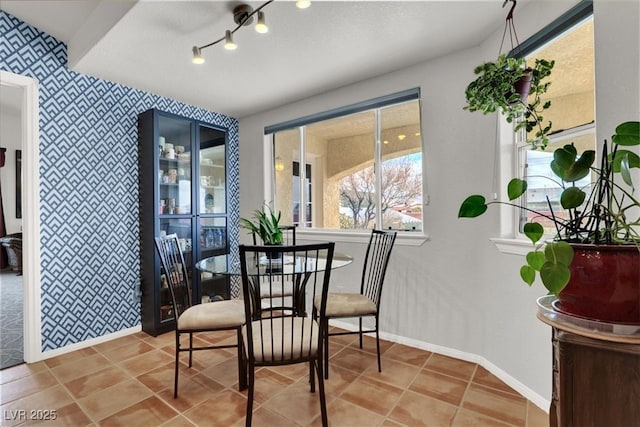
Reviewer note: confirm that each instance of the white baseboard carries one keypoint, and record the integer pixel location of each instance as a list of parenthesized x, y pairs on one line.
[(525, 391), (88, 343)]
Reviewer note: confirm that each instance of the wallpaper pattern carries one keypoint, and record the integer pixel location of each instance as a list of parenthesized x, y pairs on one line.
[(89, 187)]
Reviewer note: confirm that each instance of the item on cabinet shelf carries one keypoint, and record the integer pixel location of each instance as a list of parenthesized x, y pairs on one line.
[(162, 141), (206, 299), (208, 201), (182, 243), (163, 280), (168, 146), (166, 312), (179, 149), (188, 245), (163, 205), (170, 154), (186, 157), (173, 176), (160, 174), (203, 181), (165, 179), (181, 172)]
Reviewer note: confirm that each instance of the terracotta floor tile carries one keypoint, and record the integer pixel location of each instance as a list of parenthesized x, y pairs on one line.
[(339, 380), (486, 378), (73, 368), (109, 401), (133, 349), (264, 417), (466, 418), (119, 343), (192, 391), (149, 412), (72, 415), (146, 362), (439, 386), (450, 366), (354, 360), (415, 409), (395, 373), (52, 398), (268, 383), (160, 378), (296, 402), (20, 371), (343, 413), (406, 354), (179, 421), (129, 381), (222, 409), (70, 357), (536, 417), (225, 373), (26, 385), (496, 404), (96, 381), (373, 395)]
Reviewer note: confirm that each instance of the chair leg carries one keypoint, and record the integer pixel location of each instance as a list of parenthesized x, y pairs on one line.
[(360, 330), (250, 395), (312, 376), (242, 367), (175, 379), (326, 349), (323, 402), (190, 348), (378, 346)]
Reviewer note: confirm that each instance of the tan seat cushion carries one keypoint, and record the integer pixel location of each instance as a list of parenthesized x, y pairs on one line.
[(213, 315), (347, 305), (303, 330)]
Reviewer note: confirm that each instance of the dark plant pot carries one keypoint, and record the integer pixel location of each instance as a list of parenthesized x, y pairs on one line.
[(604, 285), (523, 86)]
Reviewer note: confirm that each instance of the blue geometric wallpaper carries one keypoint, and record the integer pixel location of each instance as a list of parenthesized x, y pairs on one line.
[(89, 244)]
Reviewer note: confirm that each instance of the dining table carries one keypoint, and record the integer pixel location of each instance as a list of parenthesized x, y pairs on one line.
[(298, 269)]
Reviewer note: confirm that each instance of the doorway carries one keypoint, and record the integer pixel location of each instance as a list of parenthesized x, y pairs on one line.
[(30, 206)]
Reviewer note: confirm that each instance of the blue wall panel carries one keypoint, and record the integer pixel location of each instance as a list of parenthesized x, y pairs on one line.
[(89, 187)]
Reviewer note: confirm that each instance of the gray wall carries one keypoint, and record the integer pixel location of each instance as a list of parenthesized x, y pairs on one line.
[(457, 290)]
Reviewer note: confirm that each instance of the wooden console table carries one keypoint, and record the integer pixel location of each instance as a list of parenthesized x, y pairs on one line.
[(596, 371)]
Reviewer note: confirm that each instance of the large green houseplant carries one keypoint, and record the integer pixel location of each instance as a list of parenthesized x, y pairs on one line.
[(265, 224), (608, 215), (515, 90)]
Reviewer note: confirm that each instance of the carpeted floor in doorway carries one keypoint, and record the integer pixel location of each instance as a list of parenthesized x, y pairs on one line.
[(11, 307)]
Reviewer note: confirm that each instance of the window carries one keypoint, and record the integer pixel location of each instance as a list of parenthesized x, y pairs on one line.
[(572, 114), (363, 166)]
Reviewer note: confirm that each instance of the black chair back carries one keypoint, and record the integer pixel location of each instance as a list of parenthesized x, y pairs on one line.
[(281, 337), (174, 272), (375, 263)]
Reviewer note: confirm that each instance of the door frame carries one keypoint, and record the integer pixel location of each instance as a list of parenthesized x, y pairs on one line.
[(30, 135)]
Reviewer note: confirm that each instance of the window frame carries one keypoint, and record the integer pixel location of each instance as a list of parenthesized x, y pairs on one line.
[(413, 238), (511, 219)]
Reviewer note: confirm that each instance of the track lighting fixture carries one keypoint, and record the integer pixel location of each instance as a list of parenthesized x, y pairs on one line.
[(242, 16)]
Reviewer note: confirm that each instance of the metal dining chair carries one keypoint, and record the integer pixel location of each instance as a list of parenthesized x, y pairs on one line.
[(366, 303), (193, 318), (274, 338), (285, 289)]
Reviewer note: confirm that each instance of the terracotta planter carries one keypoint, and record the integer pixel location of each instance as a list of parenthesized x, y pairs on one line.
[(604, 285), (523, 86)]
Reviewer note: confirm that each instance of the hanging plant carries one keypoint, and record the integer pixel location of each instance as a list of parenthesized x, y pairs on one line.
[(510, 87)]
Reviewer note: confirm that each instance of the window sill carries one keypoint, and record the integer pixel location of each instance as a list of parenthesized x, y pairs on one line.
[(513, 246), (402, 239)]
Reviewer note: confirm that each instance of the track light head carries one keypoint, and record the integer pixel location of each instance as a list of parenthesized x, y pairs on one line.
[(197, 56), (261, 27), (229, 44)]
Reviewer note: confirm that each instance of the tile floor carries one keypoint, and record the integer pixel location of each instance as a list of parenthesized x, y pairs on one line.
[(129, 382)]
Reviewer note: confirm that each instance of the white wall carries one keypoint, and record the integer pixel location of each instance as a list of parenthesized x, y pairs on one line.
[(457, 290), (10, 138)]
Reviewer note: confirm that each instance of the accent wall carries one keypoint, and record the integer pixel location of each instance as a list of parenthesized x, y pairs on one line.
[(90, 275)]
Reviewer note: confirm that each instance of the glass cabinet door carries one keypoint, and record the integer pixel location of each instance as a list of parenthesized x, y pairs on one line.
[(213, 174), (174, 166)]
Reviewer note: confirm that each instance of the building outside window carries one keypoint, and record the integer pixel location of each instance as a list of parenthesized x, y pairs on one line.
[(363, 167)]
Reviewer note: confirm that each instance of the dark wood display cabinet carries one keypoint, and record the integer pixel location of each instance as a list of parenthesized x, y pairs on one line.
[(596, 371), (183, 181)]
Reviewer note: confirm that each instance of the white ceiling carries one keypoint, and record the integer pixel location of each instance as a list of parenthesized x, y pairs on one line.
[(147, 44)]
